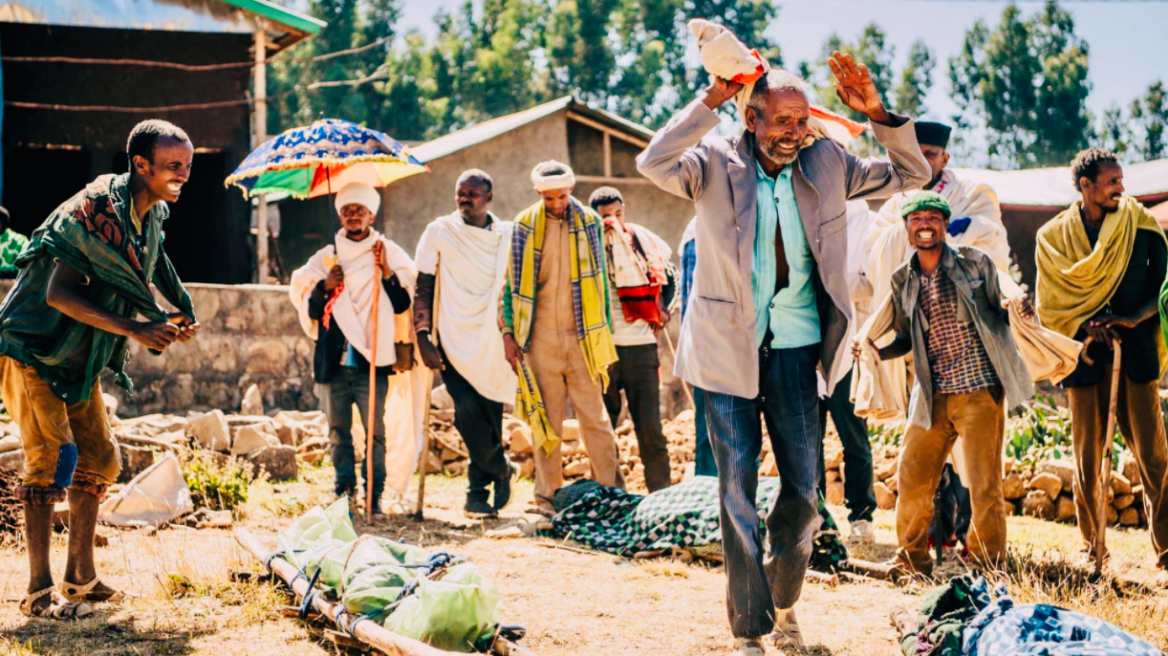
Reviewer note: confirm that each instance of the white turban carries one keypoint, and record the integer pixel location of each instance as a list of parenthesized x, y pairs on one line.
[(548, 182), (358, 193)]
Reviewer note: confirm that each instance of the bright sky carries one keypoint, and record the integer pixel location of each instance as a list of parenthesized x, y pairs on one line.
[(1126, 38)]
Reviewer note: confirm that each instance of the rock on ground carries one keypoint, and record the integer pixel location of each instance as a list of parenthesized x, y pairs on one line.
[(278, 460), (211, 431)]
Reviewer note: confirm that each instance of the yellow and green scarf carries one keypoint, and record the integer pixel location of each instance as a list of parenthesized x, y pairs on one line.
[(589, 303)]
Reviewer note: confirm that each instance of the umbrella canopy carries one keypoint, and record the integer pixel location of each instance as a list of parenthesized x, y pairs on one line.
[(321, 158)]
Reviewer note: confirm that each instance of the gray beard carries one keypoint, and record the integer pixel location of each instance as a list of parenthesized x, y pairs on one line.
[(777, 158)]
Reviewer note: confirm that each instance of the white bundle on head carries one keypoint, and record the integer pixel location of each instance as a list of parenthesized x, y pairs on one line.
[(724, 56), (555, 181)]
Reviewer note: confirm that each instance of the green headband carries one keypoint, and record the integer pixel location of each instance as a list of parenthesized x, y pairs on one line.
[(925, 200)]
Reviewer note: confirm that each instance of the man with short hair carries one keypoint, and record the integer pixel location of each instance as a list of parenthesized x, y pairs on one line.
[(556, 329), (84, 278), (771, 304), (463, 256), (948, 312), (11, 245), (638, 271), (1101, 263), (333, 294)]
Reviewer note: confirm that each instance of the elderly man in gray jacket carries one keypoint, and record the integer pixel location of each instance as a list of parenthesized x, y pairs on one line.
[(771, 304)]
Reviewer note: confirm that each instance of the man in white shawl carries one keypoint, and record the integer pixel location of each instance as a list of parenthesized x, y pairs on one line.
[(640, 279), (333, 293), (462, 264)]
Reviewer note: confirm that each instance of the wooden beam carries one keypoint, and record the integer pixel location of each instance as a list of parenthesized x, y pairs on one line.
[(607, 130), (607, 155), (260, 116), (608, 180)]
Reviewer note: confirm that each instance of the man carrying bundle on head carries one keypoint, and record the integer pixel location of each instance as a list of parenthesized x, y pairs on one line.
[(333, 293), (84, 279), (771, 301), (556, 329), (462, 265), (640, 274), (1101, 264)]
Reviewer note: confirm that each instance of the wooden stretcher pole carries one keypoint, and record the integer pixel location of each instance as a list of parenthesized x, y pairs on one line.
[(1105, 466), (371, 633), (372, 391), (419, 513)]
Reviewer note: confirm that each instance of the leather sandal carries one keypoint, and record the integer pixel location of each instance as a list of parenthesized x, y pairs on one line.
[(58, 609), (81, 593)]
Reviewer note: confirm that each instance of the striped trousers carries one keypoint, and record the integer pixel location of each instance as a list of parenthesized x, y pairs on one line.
[(788, 402)]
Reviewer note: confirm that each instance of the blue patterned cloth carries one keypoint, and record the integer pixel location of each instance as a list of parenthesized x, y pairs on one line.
[(1005, 629)]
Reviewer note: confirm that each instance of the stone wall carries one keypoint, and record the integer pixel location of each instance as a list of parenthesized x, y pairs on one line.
[(250, 334)]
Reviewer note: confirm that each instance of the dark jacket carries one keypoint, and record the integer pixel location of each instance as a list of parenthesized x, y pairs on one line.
[(331, 343)]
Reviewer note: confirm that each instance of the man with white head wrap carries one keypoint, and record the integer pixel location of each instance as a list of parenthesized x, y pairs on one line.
[(557, 331), (333, 292)]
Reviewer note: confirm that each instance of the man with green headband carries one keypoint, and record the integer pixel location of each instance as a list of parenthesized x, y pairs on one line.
[(948, 313)]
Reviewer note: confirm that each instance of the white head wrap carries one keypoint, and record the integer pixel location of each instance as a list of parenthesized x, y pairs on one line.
[(548, 182), (358, 193)]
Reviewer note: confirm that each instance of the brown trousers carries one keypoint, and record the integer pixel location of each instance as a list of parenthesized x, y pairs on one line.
[(979, 418), (1140, 421), (558, 365)]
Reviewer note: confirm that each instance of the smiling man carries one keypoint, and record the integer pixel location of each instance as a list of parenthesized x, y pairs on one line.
[(84, 281), (1100, 267), (948, 313), (770, 305)]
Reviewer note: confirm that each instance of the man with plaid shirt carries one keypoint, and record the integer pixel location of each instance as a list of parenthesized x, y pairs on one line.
[(948, 313)]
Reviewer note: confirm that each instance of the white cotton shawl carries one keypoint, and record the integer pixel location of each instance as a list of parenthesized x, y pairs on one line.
[(471, 266), (408, 394)]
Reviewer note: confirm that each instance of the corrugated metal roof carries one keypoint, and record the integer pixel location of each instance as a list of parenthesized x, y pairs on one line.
[(216, 16), (1053, 187), (487, 130)]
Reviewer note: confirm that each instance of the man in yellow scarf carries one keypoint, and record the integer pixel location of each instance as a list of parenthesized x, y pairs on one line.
[(1100, 266), (557, 333)]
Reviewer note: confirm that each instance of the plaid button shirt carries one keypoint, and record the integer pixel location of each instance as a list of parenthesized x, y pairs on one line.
[(957, 358)]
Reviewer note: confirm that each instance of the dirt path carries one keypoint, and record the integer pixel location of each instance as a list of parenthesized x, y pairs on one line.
[(571, 603)]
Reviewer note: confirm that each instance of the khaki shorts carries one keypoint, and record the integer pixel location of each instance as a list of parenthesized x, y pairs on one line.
[(46, 423)]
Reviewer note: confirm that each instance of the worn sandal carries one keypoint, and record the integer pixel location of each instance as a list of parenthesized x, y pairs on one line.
[(58, 609), (81, 593)]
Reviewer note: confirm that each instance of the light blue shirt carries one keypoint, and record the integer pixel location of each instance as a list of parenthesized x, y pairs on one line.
[(791, 314)]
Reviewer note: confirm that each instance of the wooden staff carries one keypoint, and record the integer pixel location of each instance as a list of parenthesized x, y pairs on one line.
[(378, 248), (1105, 466), (370, 633), (418, 513), (684, 385)]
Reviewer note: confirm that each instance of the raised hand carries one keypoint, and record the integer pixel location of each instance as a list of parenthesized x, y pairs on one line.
[(855, 87), (719, 91)]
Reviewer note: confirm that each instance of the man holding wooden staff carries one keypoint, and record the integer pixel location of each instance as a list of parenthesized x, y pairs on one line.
[(334, 295), (1101, 263), (462, 263)]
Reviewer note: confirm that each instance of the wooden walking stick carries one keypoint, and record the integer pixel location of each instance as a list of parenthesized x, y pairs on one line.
[(377, 250), (1105, 467), (419, 514), (684, 385)]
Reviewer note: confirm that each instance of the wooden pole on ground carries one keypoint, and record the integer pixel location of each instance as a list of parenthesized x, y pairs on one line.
[(1105, 466), (684, 385), (419, 513), (371, 633)]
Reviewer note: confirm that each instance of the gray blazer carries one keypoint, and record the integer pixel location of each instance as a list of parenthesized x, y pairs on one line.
[(717, 349), (975, 276)]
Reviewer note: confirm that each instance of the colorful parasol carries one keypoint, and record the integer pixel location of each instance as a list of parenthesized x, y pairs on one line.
[(321, 158)]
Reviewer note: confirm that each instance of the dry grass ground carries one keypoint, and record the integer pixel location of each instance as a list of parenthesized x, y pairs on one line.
[(571, 603)]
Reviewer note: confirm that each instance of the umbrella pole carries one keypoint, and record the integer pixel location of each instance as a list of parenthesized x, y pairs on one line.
[(372, 402), (1105, 468)]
